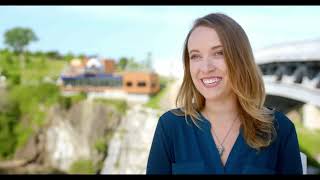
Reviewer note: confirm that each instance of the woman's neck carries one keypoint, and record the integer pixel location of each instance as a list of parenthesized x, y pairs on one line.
[(221, 110)]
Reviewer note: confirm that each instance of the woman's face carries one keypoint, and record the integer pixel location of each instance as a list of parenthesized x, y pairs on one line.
[(207, 64)]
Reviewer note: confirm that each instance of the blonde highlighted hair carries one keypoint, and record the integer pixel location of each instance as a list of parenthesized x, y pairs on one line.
[(244, 75)]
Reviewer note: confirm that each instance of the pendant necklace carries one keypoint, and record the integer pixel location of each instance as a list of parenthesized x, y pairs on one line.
[(220, 145)]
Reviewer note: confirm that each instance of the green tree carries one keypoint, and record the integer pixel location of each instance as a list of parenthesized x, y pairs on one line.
[(69, 56), (18, 39), (7, 56), (81, 56), (132, 65), (53, 54), (39, 54), (9, 115), (123, 63)]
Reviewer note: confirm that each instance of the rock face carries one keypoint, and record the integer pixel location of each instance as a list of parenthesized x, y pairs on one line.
[(71, 135), (130, 145), (129, 148)]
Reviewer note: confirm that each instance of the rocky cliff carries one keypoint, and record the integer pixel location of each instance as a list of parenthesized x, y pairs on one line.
[(68, 136)]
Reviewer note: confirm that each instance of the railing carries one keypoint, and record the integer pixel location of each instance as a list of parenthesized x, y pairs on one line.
[(304, 162)]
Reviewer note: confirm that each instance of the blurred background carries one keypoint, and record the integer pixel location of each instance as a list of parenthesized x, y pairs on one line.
[(82, 87)]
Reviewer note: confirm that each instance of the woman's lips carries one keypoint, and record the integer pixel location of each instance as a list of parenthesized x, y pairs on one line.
[(210, 82)]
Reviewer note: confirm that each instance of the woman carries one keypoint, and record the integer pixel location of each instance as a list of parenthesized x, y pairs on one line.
[(222, 126)]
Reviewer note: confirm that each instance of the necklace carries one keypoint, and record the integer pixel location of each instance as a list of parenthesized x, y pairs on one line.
[(220, 145)]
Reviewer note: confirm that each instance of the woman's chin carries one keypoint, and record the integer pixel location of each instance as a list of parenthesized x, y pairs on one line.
[(210, 96), (214, 96)]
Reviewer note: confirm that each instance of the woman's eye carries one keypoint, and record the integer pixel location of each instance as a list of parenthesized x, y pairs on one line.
[(219, 53), (194, 57)]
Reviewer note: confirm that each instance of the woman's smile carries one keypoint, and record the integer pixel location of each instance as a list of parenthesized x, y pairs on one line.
[(211, 82)]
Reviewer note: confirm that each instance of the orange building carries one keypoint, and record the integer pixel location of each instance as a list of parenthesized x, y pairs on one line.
[(140, 82), (109, 66)]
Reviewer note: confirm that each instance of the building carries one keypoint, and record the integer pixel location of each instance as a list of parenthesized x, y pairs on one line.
[(141, 82), (93, 75), (109, 66)]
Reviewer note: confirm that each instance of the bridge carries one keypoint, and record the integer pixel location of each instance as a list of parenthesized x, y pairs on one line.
[(291, 72)]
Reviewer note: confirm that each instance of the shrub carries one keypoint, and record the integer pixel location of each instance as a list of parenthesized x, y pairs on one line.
[(120, 105), (82, 166)]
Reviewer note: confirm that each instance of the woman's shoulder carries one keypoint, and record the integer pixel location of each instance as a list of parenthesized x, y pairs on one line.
[(283, 124), (172, 118)]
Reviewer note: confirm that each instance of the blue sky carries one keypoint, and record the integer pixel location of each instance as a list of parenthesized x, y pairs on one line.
[(132, 31)]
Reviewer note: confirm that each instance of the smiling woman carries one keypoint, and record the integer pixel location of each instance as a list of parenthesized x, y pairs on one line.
[(222, 125)]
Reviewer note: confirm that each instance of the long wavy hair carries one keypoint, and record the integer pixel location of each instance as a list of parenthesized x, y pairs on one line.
[(246, 80)]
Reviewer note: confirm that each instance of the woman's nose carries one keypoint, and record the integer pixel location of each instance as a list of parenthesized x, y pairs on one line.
[(207, 66)]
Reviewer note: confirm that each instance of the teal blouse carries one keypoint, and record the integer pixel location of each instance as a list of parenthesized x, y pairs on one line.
[(180, 147)]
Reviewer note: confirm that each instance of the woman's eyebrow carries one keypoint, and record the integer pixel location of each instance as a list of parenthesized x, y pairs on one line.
[(216, 47), (212, 48), (193, 50)]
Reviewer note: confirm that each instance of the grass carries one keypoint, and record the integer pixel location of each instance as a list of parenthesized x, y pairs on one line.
[(308, 138), (101, 144), (155, 99), (120, 105), (32, 95), (38, 70), (82, 166), (309, 142), (67, 101), (33, 101), (35, 70)]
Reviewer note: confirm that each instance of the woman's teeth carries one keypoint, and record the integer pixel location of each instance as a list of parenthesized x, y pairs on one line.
[(211, 80)]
